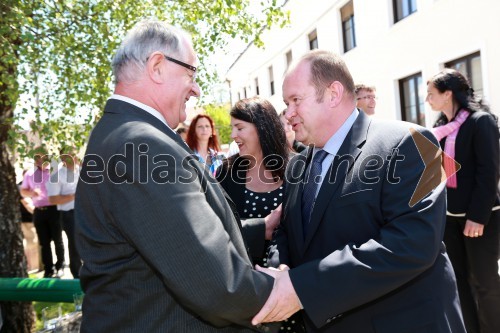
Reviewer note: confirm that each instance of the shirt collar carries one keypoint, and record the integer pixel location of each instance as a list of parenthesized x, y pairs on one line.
[(142, 106), (333, 144)]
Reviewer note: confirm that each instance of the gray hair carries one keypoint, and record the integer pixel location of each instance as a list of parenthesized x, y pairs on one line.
[(146, 37)]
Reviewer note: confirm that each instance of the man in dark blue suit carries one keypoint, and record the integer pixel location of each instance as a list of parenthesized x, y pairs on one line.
[(360, 244)]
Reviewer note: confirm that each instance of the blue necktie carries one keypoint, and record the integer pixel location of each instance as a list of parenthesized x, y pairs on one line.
[(310, 187)]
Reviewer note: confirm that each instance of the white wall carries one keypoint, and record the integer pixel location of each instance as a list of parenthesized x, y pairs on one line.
[(440, 31)]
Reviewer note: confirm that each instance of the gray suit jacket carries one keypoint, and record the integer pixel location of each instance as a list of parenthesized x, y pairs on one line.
[(370, 262), (161, 248)]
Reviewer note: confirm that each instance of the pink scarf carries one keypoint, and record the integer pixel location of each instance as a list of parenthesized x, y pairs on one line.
[(450, 131)]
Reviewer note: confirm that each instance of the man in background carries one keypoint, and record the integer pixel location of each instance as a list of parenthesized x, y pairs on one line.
[(366, 98), (45, 216), (61, 191), (30, 242)]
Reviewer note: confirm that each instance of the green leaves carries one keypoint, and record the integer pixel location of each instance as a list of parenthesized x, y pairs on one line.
[(222, 120), (55, 54)]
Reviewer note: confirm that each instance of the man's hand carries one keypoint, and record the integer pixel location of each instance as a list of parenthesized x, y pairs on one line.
[(272, 221), (271, 270), (283, 301)]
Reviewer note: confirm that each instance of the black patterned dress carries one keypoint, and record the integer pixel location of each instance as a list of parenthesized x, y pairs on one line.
[(260, 204)]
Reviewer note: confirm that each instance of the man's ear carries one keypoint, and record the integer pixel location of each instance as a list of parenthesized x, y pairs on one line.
[(154, 67), (334, 93)]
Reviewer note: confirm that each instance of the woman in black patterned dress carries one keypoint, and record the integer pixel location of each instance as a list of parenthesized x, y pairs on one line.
[(254, 178)]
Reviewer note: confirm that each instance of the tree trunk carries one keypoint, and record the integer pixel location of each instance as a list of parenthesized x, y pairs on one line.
[(16, 316)]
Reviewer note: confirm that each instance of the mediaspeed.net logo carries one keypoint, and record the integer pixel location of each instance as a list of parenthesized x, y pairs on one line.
[(135, 165), (434, 172)]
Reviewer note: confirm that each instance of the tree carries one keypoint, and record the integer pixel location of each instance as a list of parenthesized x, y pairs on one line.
[(55, 68), (222, 120), (17, 316)]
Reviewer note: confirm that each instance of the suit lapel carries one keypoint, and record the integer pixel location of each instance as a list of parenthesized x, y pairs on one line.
[(342, 164)]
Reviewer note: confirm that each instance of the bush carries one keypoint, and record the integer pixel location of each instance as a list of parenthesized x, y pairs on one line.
[(38, 306)]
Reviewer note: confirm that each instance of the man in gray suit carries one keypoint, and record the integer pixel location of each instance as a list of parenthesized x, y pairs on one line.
[(363, 224), (161, 248)]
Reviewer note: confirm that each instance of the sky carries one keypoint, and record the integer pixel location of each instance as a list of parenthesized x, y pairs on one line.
[(221, 60)]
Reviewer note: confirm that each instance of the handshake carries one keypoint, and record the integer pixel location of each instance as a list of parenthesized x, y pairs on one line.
[(283, 301)]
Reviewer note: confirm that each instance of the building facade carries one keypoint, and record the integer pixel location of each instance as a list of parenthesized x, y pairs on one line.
[(394, 45)]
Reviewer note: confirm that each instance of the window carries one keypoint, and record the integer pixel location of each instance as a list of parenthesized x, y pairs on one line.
[(288, 58), (348, 32), (412, 101), (403, 8), (256, 86), (470, 67), (271, 79), (313, 40)]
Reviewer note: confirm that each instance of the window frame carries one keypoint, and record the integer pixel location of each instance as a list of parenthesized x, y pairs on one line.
[(420, 103), (396, 4), (348, 33), (313, 40), (271, 79), (467, 60), (288, 58)]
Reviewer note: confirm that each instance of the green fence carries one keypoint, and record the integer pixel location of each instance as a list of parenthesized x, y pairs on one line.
[(40, 290)]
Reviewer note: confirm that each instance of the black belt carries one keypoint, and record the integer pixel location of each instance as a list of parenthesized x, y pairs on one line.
[(45, 207)]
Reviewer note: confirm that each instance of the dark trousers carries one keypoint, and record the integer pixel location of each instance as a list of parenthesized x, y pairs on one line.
[(48, 228), (68, 219), (475, 261)]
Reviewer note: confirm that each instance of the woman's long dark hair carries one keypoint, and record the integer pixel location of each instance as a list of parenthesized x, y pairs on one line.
[(192, 139), (463, 94), (272, 139)]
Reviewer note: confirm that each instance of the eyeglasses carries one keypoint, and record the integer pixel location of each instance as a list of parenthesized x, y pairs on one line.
[(367, 97), (183, 64), (180, 63)]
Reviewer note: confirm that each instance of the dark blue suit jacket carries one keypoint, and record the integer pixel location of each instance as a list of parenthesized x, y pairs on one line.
[(371, 261)]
